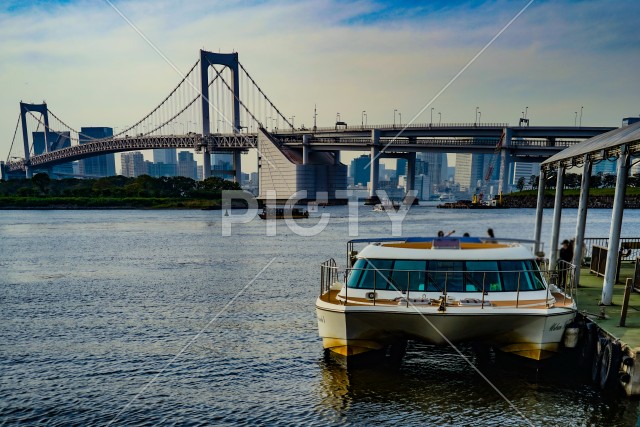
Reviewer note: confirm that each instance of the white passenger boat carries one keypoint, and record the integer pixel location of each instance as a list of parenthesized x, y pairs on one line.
[(443, 291), (387, 206)]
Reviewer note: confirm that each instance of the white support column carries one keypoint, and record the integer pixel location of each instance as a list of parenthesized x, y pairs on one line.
[(539, 210), (616, 225), (557, 214), (306, 140), (582, 217), (505, 159), (206, 164), (374, 162)]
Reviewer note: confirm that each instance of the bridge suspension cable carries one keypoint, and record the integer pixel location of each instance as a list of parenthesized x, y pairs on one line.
[(15, 132), (264, 95), (139, 122)]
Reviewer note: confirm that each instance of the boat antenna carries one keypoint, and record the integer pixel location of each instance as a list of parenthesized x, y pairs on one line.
[(450, 233)]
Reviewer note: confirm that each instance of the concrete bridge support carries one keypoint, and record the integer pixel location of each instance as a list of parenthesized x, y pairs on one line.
[(374, 165), (306, 141), (616, 226), (206, 163), (237, 166), (505, 161), (411, 172)]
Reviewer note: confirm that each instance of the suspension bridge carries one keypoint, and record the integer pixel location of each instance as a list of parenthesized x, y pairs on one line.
[(227, 111)]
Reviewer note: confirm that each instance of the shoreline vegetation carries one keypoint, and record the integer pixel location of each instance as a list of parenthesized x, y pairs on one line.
[(115, 192), (146, 192)]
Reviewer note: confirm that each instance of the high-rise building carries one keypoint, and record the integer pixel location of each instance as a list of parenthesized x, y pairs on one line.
[(359, 170), (55, 141), (132, 164), (187, 166), (166, 155), (469, 170), (524, 170), (96, 166), (437, 164), (423, 187)]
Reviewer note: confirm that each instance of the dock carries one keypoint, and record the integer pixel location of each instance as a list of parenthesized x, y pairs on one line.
[(610, 351)]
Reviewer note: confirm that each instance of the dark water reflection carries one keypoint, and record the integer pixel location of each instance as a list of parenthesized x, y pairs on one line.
[(96, 304)]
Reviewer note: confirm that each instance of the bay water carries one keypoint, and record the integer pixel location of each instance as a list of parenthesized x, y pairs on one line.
[(140, 317)]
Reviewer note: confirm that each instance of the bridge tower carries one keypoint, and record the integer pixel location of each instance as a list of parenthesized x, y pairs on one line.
[(38, 108), (230, 60)]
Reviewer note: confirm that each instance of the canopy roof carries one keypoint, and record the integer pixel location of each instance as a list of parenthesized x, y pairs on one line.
[(601, 147)]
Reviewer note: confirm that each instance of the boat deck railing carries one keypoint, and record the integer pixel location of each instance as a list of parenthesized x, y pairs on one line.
[(559, 284)]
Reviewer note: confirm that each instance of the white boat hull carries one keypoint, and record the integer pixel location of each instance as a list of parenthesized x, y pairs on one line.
[(532, 333)]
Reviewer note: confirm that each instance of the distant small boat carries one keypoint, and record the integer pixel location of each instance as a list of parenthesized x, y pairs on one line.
[(447, 197), (386, 206), (283, 212)]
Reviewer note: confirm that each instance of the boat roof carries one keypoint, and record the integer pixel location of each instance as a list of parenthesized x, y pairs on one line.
[(447, 248)]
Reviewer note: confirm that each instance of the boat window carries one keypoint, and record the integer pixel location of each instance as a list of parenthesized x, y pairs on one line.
[(446, 275), (518, 275), (355, 273), (409, 274), (482, 275), (373, 275), (538, 282)]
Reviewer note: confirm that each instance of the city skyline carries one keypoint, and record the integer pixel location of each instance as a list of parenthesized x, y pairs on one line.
[(556, 61)]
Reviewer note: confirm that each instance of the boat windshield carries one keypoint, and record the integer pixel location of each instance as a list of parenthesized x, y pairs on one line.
[(441, 275)]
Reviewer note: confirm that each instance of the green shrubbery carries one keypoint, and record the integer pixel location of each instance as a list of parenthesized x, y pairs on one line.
[(115, 191)]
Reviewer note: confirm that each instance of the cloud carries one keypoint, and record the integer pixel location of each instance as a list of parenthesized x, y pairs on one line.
[(93, 69)]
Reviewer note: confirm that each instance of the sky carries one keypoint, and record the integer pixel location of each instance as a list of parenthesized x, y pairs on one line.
[(557, 58)]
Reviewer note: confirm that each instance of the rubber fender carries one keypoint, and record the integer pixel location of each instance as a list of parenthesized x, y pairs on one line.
[(597, 360), (588, 345), (624, 377), (627, 361), (610, 364)]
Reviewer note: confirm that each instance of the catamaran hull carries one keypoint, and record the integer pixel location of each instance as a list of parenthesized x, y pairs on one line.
[(534, 333)]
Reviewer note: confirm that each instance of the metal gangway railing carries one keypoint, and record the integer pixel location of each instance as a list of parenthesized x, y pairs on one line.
[(629, 247)]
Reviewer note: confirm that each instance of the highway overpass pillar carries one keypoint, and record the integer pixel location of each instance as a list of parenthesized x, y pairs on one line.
[(206, 163), (306, 140), (237, 166), (505, 160), (411, 172), (374, 164)]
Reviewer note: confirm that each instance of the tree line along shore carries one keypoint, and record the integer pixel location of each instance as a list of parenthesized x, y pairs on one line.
[(601, 192), (41, 192), (177, 192)]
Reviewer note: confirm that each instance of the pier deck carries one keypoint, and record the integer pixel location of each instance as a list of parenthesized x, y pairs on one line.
[(616, 359), (589, 295)]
